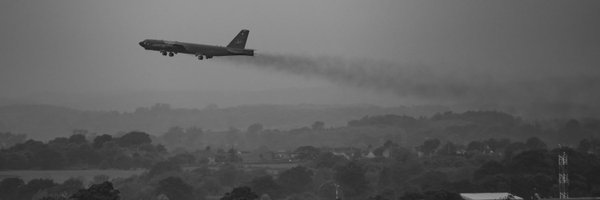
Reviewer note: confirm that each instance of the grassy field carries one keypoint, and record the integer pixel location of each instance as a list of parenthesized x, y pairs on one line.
[(59, 176), (281, 166)]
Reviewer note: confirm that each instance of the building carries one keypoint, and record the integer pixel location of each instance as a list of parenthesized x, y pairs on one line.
[(489, 196)]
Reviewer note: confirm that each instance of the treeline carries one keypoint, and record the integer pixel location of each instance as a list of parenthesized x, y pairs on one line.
[(44, 122), (477, 125), (131, 150), (17, 189), (393, 173), (459, 128), (191, 129), (46, 189), (523, 168), (8, 139)]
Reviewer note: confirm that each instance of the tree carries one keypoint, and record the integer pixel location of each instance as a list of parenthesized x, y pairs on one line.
[(390, 144), (476, 147), (9, 187), (254, 128), (211, 186), (121, 161), (489, 168), (100, 140), (77, 139), (352, 178), (193, 135), (494, 144), (82, 154), (34, 186), (385, 120), (531, 162), (48, 158), (385, 178), (328, 160), (514, 148), (227, 174), (240, 193), (174, 136), (70, 186), (8, 139), (449, 149), (400, 169), (495, 182), (160, 108), (429, 146), (318, 125), (175, 188), (103, 191), (134, 138), (296, 179), (585, 146), (430, 180), (59, 142), (100, 178), (232, 156), (534, 143), (307, 152), (265, 185)]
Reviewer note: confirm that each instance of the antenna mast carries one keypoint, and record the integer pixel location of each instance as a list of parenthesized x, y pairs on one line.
[(563, 176)]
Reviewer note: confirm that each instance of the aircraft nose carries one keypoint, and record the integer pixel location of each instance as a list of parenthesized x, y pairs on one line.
[(141, 43)]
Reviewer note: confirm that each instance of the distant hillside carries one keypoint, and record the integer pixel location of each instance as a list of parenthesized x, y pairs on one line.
[(45, 121)]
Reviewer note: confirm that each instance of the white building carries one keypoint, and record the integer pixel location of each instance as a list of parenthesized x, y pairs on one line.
[(489, 196)]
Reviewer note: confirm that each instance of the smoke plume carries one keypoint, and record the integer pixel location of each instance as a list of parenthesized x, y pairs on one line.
[(526, 91)]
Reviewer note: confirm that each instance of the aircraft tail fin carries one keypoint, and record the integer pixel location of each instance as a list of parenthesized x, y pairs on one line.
[(239, 42)]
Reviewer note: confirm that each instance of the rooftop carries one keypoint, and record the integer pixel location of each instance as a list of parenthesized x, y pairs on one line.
[(488, 196)]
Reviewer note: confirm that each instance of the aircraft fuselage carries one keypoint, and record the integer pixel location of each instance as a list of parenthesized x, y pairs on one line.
[(236, 47)]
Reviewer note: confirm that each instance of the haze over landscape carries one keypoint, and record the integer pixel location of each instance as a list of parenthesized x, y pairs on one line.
[(341, 99), (513, 55)]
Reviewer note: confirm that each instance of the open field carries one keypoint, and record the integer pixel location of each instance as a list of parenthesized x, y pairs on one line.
[(278, 166)]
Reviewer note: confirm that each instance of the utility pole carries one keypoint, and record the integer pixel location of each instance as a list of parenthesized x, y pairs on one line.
[(337, 192), (563, 176), (337, 189)]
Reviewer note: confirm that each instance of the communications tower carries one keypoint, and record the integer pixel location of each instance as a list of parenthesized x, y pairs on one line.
[(563, 176)]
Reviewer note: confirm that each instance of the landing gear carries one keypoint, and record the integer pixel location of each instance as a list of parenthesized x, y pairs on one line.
[(171, 54), (208, 57), (200, 57), (164, 53)]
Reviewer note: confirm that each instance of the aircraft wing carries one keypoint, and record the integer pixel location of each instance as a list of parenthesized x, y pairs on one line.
[(180, 48)]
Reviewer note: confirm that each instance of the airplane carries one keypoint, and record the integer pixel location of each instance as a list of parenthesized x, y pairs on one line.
[(201, 51)]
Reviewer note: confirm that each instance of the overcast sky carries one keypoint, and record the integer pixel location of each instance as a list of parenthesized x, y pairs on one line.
[(88, 47)]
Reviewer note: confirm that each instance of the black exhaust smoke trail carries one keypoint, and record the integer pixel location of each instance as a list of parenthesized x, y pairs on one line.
[(402, 80), (472, 87)]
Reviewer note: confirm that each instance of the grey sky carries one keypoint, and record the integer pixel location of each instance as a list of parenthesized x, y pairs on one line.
[(86, 46)]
